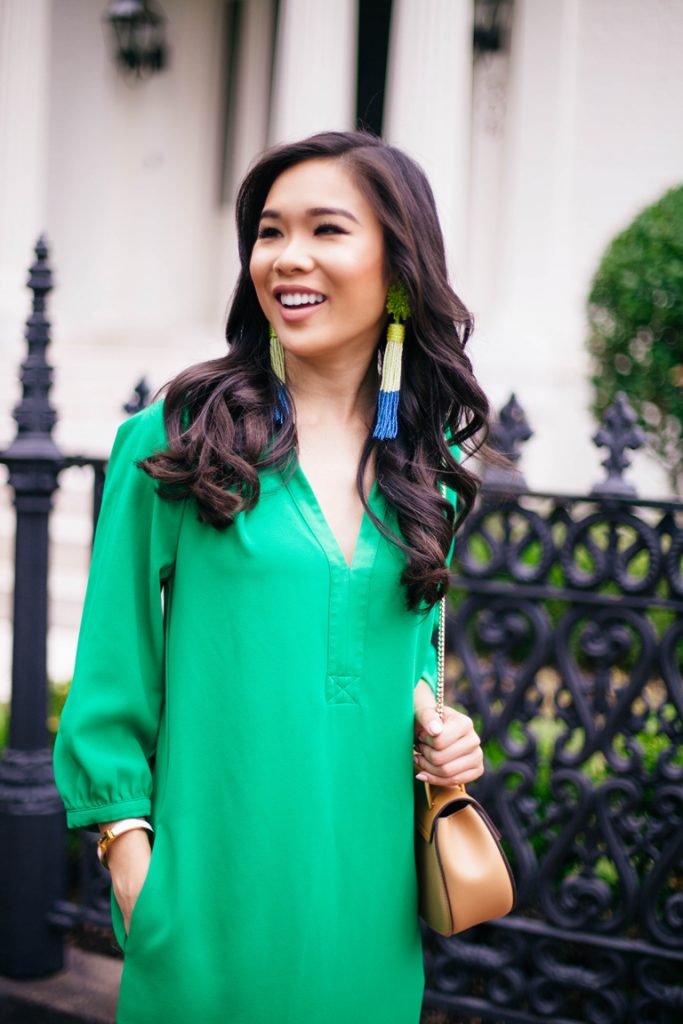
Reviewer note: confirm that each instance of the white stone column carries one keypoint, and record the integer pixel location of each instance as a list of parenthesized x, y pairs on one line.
[(315, 69), (24, 69), (24, 98), (530, 334), (591, 138), (250, 134), (536, 229), (428, 104)]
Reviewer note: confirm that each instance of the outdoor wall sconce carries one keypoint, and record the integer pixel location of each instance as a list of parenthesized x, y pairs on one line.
[(139, 36), (492, 22)]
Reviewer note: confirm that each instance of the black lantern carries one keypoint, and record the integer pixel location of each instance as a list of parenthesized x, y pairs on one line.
[(140, 38), (492, 22)]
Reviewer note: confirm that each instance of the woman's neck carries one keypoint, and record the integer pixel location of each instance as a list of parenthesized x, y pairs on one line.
[(323, 395)]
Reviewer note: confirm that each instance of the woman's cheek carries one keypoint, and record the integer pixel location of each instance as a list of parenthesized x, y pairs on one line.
[(257, 273), (257, 263)]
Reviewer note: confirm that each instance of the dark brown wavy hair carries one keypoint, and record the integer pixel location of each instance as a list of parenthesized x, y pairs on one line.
[(219, 414)]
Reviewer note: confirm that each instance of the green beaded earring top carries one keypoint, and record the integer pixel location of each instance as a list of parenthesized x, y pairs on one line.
[(398, 303)]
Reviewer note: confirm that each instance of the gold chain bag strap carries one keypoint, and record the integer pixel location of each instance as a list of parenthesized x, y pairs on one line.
[(464, 877)]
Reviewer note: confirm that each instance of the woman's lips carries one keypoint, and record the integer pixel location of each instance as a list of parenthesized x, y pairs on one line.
[(290, 314)]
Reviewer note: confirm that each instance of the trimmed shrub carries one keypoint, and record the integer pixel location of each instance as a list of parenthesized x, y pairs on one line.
[(635, 313)]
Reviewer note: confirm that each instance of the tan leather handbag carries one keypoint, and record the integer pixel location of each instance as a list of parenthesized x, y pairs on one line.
[(464, 877)]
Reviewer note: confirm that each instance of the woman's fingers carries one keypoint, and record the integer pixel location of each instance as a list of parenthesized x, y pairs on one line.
[(427, 721), (460, 769), (458, 748), (454, 726), (449, 747), (454, 755), (462, 778)]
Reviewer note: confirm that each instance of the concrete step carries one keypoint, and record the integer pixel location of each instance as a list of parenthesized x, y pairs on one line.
[(85, 992)]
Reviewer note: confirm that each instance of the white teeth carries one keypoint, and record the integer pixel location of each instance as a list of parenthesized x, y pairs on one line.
[(300, 298)]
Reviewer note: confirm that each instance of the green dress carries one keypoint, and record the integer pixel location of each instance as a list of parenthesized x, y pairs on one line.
[(252, 696)]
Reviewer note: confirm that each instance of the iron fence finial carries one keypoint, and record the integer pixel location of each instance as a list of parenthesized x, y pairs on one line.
[(507, 433), (618, 430)]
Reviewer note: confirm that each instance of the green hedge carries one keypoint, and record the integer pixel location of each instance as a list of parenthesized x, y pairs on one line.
[(56, 696), (635, 313)]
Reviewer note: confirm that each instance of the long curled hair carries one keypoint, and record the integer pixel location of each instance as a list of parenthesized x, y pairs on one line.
[(219, 414)]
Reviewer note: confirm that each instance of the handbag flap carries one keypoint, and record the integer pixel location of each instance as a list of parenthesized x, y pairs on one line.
[(441, 798), (446, 800)]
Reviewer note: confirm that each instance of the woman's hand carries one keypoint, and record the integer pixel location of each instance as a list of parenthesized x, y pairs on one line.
[(450, 751), (128, 860)]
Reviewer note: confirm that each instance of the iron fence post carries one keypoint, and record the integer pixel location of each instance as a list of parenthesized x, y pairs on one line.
[(31, 813)]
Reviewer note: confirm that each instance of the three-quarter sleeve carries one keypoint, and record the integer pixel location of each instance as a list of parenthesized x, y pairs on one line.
[(430, 667), (108, 727)]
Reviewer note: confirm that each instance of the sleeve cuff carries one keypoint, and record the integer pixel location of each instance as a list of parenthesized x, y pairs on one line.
[(430, 681), (83, 816)]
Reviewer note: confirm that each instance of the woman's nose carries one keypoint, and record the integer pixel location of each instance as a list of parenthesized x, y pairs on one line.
[(292, 257)]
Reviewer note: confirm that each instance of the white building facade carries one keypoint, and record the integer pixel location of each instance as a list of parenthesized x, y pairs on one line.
[(538, 154)]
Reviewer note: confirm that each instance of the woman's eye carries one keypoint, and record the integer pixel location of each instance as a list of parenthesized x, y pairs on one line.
[(321, 229), (329, 229)]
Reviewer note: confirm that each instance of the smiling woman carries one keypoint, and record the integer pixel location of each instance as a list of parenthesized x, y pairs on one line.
[(334, 252), (255, 660)]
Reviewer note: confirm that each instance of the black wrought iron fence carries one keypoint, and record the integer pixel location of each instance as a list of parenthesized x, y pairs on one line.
[(564, 641), (36, 857), (565, 635)]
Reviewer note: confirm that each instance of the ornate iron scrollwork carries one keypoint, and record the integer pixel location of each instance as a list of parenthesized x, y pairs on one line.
[(565, 643)]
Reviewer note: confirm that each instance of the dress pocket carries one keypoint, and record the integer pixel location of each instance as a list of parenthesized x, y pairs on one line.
[(137, 917)]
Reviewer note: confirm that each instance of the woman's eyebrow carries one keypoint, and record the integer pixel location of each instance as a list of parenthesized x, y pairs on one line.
[(316, 211), (326, 211)]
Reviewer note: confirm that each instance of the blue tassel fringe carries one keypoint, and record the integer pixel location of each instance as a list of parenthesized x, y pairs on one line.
[(386, 425), (282, 406)]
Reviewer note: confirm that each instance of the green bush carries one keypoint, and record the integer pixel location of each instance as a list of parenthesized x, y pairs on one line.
[(4, 725), (56, 695), (649, 742), (635, 313)]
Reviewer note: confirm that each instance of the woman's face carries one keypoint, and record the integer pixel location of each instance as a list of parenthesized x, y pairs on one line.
[(318, 263)]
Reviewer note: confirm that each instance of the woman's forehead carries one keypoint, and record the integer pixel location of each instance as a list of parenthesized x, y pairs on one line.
[(317, 183)]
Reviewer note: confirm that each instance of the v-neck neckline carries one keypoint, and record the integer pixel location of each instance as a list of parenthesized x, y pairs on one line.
[(367, 537)]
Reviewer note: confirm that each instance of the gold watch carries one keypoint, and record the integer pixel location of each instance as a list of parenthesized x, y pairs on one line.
[(117, 829)]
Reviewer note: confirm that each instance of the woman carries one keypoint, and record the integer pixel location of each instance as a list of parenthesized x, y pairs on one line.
[(255, 658)]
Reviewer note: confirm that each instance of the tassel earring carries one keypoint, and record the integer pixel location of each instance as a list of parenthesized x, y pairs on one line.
[(398, 306), (277, 362)]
